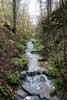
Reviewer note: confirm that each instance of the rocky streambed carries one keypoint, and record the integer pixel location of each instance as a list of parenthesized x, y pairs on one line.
[(35, 83)]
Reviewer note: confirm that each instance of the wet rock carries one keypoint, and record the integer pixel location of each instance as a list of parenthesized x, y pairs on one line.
[(30, 89), (21, 93), (53, 92), (38, 85), (34, 73), (55, 98), (31, 98), (45, 73), (23, 72), (23, 75), (42, 78)]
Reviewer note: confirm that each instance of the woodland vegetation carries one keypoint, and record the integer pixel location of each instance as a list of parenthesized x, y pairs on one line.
[(16, 29), (53, 38)]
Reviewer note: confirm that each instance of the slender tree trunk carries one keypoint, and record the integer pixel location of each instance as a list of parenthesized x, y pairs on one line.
[(49, 10), (64, 33), (41, 16), (14, 16), (49, 7)]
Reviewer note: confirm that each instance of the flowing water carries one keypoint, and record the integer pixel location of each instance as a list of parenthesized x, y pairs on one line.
[(35, 87)]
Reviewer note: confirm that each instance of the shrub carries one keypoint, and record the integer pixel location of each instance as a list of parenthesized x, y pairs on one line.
[(13, 78), (39, 46), (54, 72), (21, 61), (59, 84), (56, 61), (20, 47)]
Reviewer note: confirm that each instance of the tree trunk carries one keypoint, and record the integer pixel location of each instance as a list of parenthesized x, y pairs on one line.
[(14, 16), (64, 33)]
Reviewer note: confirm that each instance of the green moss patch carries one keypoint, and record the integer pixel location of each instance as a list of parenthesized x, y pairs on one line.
[(13, 78)]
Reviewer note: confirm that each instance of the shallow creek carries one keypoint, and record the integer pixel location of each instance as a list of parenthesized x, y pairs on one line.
[(34, 87)]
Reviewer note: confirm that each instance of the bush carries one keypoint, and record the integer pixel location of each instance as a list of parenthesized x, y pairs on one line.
[(59, 84), (21, 61), (39, 46), (54, 72), (13, 78), (20, 47), (56, 61)]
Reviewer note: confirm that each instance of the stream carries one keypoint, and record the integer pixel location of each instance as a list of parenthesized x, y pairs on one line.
[(35, 85)]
